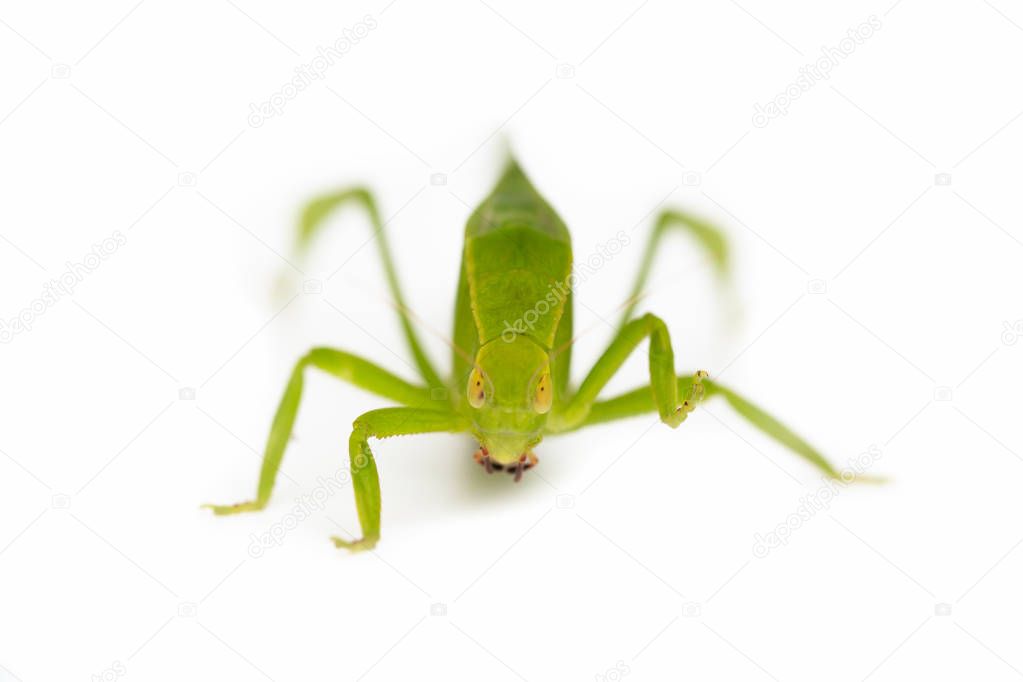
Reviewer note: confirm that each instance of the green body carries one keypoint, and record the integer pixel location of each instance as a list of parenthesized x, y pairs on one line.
[(516, 262), (509, 385)]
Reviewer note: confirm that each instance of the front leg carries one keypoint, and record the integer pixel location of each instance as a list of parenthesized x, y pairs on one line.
[(341, 365), (384, 423), (663, 384)]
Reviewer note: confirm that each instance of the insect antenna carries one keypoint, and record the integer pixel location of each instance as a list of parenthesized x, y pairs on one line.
[(627, 303), (439, 334), (436, 332)]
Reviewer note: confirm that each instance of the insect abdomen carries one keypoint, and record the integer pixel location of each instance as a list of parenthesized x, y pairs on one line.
[(518, 258)]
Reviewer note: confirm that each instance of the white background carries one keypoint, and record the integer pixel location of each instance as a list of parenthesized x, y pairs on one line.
[(866, 289)]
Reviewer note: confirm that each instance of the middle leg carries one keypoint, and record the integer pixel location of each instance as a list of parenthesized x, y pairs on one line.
[(663, 383), (639, 401)]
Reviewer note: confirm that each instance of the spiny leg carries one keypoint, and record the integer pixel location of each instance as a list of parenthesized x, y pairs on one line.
[(709, 237), (384, 423), (695, 391), (663, 384), (640, 401), (342, 365), (315, 215)]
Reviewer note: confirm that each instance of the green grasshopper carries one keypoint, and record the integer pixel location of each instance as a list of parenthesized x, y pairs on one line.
[(509, 386)]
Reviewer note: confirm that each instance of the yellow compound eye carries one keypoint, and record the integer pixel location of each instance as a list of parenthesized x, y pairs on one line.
[(543, 396), (475, 391)]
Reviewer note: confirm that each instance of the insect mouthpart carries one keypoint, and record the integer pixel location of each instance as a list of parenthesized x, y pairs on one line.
[(525, 462)]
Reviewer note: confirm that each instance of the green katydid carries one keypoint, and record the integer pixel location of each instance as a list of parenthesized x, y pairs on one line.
[(509, 386)]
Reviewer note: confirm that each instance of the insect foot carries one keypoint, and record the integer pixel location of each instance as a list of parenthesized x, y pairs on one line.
[(353, 546), (695, 393), (696, 390), (237, 508)]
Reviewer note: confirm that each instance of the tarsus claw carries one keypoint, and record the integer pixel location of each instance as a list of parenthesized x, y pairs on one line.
[(354, 545), (225, 509)]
